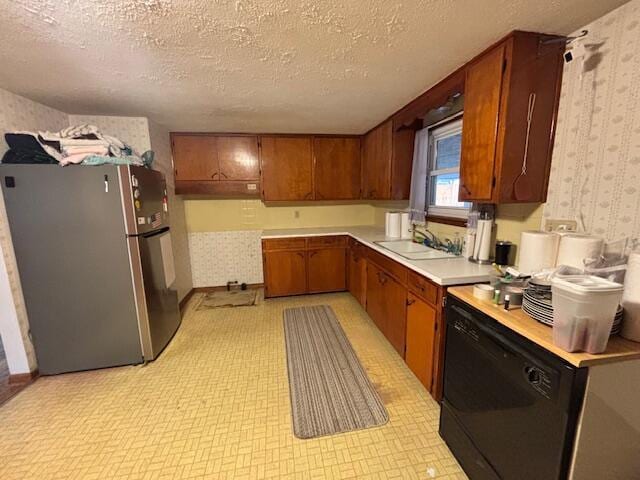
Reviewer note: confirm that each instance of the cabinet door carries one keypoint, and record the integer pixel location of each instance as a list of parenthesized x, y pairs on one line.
[(238, 158), (375, 297), (482, 94), (402, 163), (386, 305), (358, 274), (195, 157), (421, 330), (337, 168), (395, 296), (376, 167), (286, 168), (285, 273), (327, 270)]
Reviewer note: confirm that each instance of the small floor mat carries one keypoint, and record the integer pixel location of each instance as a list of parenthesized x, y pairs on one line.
[(329, 388), (234, 298)]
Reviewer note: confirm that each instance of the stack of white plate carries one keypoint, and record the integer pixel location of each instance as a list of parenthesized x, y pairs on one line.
[(536, 302)]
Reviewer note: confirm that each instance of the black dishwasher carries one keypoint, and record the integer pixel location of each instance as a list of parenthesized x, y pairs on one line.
[(510, 408)]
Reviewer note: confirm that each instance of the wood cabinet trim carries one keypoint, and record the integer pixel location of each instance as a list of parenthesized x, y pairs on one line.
[(394, 269), (292, 243), (423, 288)]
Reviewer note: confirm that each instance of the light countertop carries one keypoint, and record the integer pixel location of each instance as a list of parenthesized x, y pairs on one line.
[(618, 348), (443, 271)]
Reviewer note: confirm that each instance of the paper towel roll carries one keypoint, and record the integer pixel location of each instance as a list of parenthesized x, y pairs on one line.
[(485, 228), (574, 248), (405, 226), (631, 299), (393, 225), (538, 250)]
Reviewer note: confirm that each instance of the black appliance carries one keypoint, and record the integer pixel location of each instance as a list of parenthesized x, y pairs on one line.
[(510, 408)]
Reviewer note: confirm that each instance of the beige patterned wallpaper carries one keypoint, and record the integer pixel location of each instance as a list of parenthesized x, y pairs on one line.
[(161, 145), (18, 113), (131, 130), (595, 173)]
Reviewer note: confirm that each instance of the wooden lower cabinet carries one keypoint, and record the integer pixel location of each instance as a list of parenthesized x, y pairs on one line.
[(285, 273), (386, 305), (298, 265), (405, 306), (357, 272), (327, 270), (421, 337)]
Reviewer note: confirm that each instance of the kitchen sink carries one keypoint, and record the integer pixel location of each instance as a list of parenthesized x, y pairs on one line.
[(413, 251)]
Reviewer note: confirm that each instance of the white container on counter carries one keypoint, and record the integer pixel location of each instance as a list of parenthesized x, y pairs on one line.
[(406, 232), (392, 224), (538, 250), (583, 311)]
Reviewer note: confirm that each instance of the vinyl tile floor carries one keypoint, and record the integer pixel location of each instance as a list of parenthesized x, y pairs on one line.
[(215, 404)]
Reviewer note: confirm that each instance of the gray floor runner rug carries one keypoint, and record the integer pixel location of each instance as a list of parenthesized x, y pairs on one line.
[(330, 391)]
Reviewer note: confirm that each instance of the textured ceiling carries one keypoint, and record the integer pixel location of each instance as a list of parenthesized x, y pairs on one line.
[(256, 65)]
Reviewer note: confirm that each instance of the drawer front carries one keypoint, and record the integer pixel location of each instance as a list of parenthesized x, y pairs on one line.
[(328, 241), (391, 266), (423, 288), (295, 243)]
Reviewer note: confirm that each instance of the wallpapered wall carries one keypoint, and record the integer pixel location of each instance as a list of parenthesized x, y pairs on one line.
[(161, 145), (18, 113), (595, 172)]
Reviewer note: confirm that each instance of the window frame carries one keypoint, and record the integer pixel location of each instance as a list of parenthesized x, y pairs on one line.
[(446, 128)]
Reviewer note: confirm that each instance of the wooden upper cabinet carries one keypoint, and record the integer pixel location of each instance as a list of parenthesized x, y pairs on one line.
[(511, 101), (213, 164), (387, 157), (337, 168), (483, 87), (286, 168), (376, 165), (195, 157), (238, 158)]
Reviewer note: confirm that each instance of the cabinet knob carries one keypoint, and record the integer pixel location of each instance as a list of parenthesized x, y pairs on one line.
[(410, 302)]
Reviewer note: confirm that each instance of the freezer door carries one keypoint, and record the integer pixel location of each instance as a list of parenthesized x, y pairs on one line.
[(67, 229), (144, 194), (161, 315)]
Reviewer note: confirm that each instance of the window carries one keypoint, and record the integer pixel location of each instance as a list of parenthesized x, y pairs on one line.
[(444, 171)]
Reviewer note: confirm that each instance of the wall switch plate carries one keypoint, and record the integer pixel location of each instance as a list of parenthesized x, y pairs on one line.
[(555, 225)]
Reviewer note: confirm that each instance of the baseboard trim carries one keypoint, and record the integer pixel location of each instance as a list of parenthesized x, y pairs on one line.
[(21, 378), (185, 300), (250, 286)]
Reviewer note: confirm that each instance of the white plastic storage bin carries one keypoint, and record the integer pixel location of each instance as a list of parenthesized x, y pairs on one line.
[(583, 311)]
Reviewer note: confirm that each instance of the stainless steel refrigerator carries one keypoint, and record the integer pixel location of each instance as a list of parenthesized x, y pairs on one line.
[(93, 249)]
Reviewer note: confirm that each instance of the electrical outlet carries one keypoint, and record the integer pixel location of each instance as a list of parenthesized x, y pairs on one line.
[(296, 214), (554, 225)]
